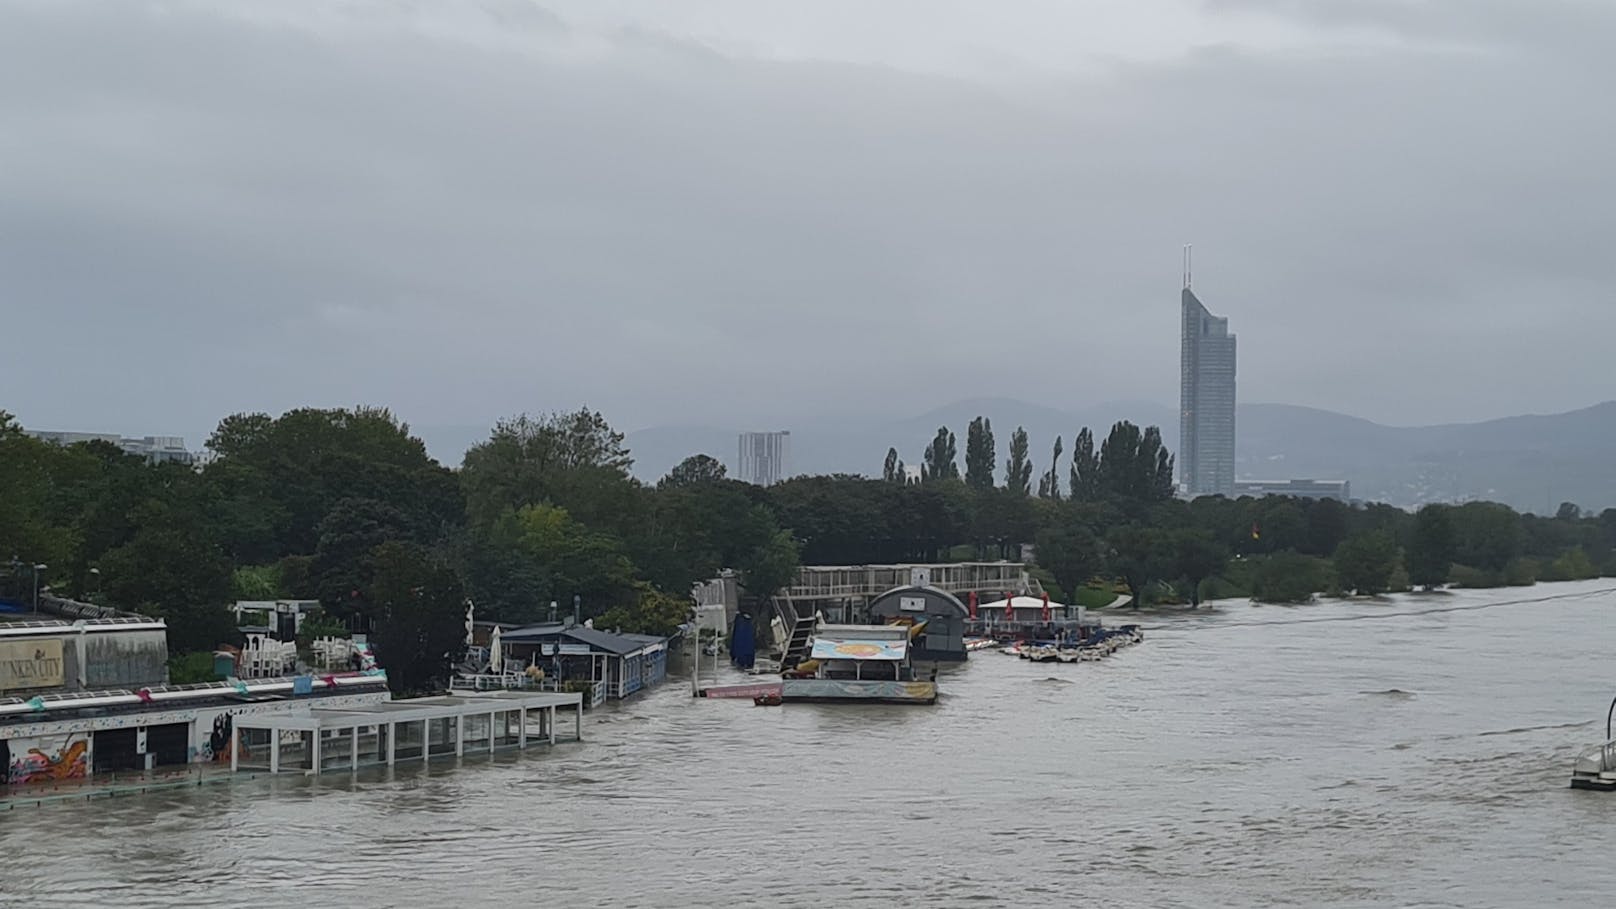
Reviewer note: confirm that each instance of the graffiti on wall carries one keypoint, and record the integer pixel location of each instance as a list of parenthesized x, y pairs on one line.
[(217, 747), (68, 761), (203, 716)]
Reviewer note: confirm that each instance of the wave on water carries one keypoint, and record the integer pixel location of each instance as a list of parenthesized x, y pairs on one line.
[(1396, 693), (1521, 729)]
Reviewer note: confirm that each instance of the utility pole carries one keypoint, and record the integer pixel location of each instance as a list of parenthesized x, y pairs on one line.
[(37, 570)]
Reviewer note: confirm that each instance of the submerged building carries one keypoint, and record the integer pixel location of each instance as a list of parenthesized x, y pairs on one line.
[(616, 664), (1206, 400)]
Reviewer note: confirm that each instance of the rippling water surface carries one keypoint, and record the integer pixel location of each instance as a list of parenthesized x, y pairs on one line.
[(1409, 752)]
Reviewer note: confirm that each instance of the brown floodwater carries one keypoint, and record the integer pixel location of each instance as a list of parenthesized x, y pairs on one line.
[(1413, 751)]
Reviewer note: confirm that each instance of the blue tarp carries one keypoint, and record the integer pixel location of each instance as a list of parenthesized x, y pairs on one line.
[(742, 642)]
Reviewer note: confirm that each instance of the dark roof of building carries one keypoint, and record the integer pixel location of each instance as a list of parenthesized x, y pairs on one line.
[(605, 641)]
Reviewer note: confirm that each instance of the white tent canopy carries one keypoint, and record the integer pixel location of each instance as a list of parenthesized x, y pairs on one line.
[(1027, 608)]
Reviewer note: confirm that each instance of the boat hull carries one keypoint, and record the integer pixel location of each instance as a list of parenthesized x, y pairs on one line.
[(827, 691), (761, 689)]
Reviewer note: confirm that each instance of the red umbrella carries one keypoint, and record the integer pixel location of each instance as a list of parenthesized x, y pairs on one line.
[(972, 605), (1009, 607), (1046, 605)]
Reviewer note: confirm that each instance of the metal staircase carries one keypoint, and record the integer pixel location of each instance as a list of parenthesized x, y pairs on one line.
[(799, 622)]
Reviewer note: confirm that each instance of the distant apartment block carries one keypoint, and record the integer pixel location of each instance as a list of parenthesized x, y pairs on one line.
[(765, 457), (157, 449), (1340, 490), (1206, 399)]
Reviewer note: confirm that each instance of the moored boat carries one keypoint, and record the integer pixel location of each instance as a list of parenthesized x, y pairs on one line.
[(752, 690), (858, 663), (1596, 768)]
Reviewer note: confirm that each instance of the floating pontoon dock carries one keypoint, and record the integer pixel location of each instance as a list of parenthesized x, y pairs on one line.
[(387, 732)]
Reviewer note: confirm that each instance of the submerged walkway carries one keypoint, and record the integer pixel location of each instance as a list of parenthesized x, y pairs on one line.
[(347, 738)]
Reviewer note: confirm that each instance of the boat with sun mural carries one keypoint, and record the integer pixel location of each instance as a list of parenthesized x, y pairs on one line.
[(859, 664)]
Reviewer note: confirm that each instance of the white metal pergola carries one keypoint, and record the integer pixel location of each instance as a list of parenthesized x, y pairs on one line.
[(386, 732)]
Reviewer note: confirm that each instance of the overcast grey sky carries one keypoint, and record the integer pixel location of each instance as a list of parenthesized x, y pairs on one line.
[(751, 211)]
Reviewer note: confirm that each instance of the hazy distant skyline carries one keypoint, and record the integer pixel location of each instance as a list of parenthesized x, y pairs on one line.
[(747, 213)]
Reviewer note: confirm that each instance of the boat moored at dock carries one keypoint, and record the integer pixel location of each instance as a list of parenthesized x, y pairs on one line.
[(1098, 645), (858, 663), (1596, 768)]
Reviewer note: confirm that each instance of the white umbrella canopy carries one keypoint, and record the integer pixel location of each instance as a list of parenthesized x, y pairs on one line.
[(496, 659)]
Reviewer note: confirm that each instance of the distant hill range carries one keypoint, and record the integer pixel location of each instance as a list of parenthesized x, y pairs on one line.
[(1529, 462)]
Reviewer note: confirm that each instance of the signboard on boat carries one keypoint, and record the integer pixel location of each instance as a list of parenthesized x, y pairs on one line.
[(31, 664), (855, 649)]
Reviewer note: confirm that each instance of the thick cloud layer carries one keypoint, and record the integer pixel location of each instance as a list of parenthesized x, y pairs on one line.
[(759, 212)]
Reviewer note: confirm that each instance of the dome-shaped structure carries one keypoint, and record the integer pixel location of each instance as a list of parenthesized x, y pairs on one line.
[(943, 637)]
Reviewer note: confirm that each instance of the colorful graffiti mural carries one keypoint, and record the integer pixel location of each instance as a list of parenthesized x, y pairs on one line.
[(70, 761)]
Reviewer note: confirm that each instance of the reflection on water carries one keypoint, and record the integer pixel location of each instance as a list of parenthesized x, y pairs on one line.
[(1408, 752)]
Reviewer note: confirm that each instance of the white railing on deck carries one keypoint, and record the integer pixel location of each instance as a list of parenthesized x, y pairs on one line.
[(851, 582)]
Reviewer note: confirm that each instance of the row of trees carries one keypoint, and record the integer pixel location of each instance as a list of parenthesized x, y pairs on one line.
[(1130, 464), (347, 507), (1118, 525)]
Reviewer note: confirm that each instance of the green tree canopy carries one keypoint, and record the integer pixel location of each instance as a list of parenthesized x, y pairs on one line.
[(1431, 547), (1068, 548), (979, 454), (1290, 577), (1049, 483), (1134, 465), (1018, 469), (1085, 479), (171, 570), (534, 460), (1197, 556), (892, 469), (1140, 556), (695, 470), (420, 633), (1364, 562), (940, 463), (649, 612)]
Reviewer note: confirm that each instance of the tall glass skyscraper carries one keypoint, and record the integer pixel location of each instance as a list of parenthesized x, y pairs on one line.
[(1206, 401)]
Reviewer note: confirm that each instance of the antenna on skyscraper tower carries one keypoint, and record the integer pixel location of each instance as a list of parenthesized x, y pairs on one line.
[(1188, 247)]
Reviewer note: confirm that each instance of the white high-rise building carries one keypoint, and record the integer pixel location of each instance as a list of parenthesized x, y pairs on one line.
[(765, 457)]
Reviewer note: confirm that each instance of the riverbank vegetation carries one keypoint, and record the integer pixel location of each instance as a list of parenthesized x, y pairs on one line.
[(345, 506)]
